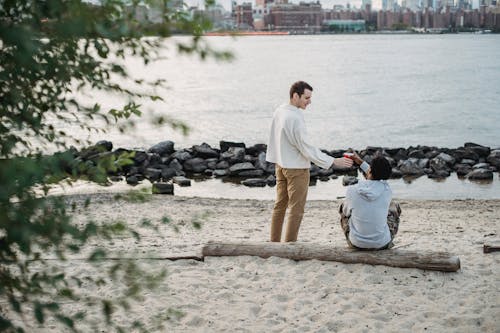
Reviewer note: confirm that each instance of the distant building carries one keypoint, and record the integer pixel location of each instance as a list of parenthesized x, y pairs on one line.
[(243, 16), (302, 17), (344, 25)]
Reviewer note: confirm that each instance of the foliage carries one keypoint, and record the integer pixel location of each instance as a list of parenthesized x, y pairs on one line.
[(400, 26), (51, 51)]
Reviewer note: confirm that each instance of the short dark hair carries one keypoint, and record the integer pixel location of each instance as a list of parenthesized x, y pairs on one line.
[(299, 87), (380, 168)]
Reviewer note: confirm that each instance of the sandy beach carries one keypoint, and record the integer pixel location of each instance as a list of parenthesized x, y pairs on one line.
[(251, 294)]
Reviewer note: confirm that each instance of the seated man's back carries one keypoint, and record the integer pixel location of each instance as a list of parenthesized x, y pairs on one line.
[(368, 219)]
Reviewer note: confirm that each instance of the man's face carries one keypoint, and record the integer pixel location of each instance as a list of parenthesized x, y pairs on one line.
[(304, 100)]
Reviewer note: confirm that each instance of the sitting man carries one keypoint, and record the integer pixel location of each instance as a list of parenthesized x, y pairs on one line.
[(368, 217)]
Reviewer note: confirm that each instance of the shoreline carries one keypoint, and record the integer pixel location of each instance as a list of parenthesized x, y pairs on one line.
[(251, 294)]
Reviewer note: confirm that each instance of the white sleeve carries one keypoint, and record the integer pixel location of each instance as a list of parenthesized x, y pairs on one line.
[(299, 136)]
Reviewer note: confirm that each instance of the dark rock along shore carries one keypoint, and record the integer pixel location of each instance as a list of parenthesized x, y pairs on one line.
[(162, 165)]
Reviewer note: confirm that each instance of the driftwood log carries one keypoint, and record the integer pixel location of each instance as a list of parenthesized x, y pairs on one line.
[(437, 261)]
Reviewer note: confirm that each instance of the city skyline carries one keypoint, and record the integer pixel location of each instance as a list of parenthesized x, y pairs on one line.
[(328, 4)]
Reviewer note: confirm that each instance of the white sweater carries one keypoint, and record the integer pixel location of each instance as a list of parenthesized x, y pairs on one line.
[(288, 145)]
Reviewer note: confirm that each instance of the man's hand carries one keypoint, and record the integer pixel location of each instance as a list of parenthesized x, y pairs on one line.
[(343, 162), (355, 157)]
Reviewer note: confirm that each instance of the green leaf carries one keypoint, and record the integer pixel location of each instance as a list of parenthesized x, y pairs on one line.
[(15, 304), (98, 254), (38, 309), (107, 309)]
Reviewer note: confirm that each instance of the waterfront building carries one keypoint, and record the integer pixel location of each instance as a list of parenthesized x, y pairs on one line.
[(243, 16), (297, 18), (344, 25)]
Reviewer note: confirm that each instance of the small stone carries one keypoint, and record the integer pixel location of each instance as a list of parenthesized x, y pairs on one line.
[(163, 148), (163, 188), (132, 180), (480, 174), (182, 181), (349, 180), (254, 182)]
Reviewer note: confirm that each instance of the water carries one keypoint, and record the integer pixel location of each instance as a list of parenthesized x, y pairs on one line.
[(378, 90)]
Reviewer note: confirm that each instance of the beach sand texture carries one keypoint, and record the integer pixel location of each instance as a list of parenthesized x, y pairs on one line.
[(251, 294)]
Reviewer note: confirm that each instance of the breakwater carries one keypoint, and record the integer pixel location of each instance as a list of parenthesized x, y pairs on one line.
[(164, 165)]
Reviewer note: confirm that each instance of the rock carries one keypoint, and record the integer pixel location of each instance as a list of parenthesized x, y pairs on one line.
[(135, 170), (208, 172), (212, 163), (163, 148), (439, 174), (106, 145), (177, 166), (152, 174), (462, 169), (271, 168), (140, 156), (410, 167), (256, 149), (334, 176), (222, 165), (249, 158), (261, 162), (467, 161), (196, 165), (393, 151), (349, 180), (98, 148), (254, 182), (428, 171), (416, 154), (337, 153), (154, 160), (225, 145), (438, 164), (423, 163), (481, 166), (494, 158), (314, 171), (240, 167), (481, 151), (251, 173), (182, 156), (168, 173), (450, 160), (391, 161), (234, 155), (116, 178), (480, 174), (431, 154), (181, 181), (220, 172), (132, 180), (163, 188), (205, 151), (395, 173), (465, 153), (325, 172), (271, 180)]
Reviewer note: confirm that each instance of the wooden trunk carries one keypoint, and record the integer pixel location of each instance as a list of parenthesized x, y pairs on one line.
[(437, 261)]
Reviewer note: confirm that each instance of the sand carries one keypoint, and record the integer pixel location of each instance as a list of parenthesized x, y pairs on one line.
[(251, 294)]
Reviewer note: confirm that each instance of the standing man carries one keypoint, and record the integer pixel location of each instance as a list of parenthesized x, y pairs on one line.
[(292, 153)]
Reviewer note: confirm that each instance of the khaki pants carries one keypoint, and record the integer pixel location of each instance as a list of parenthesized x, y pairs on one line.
[(291, 192)]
